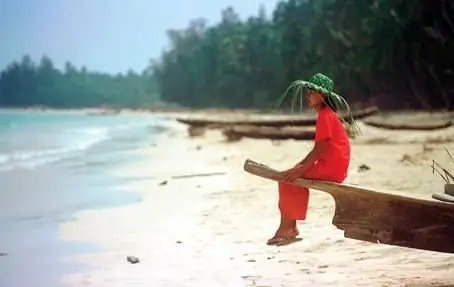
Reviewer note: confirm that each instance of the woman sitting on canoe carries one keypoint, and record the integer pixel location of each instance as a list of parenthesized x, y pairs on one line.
[(328, 160)]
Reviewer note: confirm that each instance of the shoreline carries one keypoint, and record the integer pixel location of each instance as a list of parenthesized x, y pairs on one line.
[(58, 186), (189, 110), (211, 231), (100, 110)]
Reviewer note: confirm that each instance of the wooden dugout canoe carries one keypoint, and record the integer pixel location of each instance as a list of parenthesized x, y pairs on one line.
[(277, 122), (255, 132), (378, 217), (409, 126)]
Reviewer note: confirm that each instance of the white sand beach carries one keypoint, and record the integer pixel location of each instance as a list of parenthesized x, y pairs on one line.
[(212, 231)]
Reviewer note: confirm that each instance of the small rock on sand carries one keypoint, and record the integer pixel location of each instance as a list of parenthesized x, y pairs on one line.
[(363, 167), (133, 259)]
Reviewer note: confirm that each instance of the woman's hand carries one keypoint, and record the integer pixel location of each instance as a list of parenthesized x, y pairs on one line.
[(293, 174)]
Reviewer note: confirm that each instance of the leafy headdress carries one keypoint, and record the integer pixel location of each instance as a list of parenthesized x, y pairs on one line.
[(324, 85)]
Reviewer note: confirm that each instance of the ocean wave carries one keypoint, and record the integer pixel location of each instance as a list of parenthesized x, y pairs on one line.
[(81, 140), (73, 142)]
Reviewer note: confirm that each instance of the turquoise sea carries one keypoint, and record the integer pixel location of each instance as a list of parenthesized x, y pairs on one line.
[(53, 165)]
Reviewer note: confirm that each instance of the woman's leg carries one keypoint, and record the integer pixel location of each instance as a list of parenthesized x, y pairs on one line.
[(294, 200)]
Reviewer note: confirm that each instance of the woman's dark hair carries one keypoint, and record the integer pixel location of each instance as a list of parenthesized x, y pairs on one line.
[(329, 102)]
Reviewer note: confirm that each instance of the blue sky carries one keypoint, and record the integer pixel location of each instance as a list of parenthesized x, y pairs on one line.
[(105, 35)]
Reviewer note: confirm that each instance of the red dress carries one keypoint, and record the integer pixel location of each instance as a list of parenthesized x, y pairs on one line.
[(331, 166)]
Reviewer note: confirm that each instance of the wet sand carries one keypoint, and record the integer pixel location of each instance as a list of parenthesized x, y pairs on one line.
[(211, 231)]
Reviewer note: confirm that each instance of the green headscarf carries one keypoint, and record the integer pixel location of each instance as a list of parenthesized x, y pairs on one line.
[(324, 85)]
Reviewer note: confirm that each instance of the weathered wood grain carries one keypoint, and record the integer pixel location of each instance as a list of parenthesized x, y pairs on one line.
[(237, 132), (409, 126)]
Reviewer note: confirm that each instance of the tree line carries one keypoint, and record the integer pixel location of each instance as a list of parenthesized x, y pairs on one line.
[(25, 83), (394, 53)]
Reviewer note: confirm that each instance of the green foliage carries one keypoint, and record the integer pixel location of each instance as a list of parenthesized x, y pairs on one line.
[(25, 83), (394, 53)]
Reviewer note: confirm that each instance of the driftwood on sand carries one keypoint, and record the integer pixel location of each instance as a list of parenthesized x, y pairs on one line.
[(373, 216), (237, 132), (447, 196), (197, 175), (276, 122), (409, 126)]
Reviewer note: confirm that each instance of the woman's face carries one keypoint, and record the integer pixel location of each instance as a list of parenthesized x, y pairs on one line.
[(314, 99)]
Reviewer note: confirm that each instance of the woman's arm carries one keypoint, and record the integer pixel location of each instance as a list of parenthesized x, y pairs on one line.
[(323, 134), (313, 155), (300, 169)]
